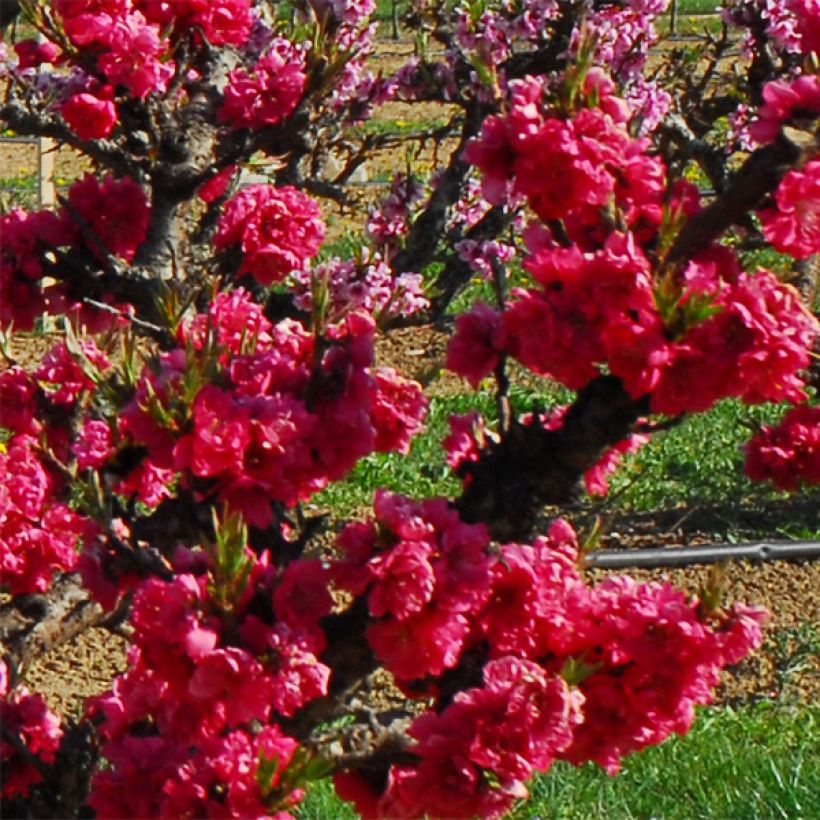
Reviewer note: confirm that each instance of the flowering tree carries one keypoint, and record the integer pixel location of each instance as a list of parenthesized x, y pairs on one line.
[(215, 374)]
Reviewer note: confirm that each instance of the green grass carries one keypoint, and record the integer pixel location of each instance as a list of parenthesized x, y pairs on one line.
[(760, 761), (757, 762), (18, 192), (698, 462), (697, 6)]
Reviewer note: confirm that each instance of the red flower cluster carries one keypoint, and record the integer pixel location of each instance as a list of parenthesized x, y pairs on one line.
[(787, 454), (277, 229), (128, 49), (63, 378), (39, 535), (25, 237), (754, 348), (793, 226), (476, 347), (114, 210), (501, 733), (685, 339), (289, 415), (91, 116), (807, 15), (570, 671), (128, 38), (568, 168), (268, 94), (423, 571), (783, 101), (221, 22), (28, 719), (186, 729), (108, 217)]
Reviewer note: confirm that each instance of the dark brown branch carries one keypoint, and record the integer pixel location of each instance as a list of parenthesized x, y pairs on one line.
[(532, 467), (746, 191)]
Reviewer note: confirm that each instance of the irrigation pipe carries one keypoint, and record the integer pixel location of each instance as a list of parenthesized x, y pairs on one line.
[(704, 554)]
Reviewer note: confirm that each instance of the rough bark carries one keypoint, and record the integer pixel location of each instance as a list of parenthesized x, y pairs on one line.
[(31, 625), (746, 191), (532, 467)]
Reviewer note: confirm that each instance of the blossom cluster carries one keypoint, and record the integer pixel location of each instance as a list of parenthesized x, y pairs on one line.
[(187, 729), (287, 413), (39, 533), (389, 221), (27, 719), (793, 226), (791, 27), (107, 218), (624, 35), (423, 572), (570, 671), (785, 101), (788, 453), (129, 46), (269, 92), (276, 229), (684, 338), (364, 283)]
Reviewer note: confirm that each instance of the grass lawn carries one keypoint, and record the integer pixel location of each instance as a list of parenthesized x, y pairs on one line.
[(698, 6)]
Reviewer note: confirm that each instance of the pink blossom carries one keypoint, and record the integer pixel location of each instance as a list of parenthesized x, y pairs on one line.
[(269, 94), (295, 673), (18, 395), (223, 22), (223, 780), (93, 444), (807, 17), (753, 348), (787, 454), (217, 185), (26, 236), (475, 349), (90, 117), (398, 410), (221, 434), (27, 718), (132, 55), (466, 439), (277, 229), (516, 724), (32, 54), (114, 210), (65, 376), (793, 225), (403, 580), (782, 101), (423, 644), (240, 323), (302, 596)]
